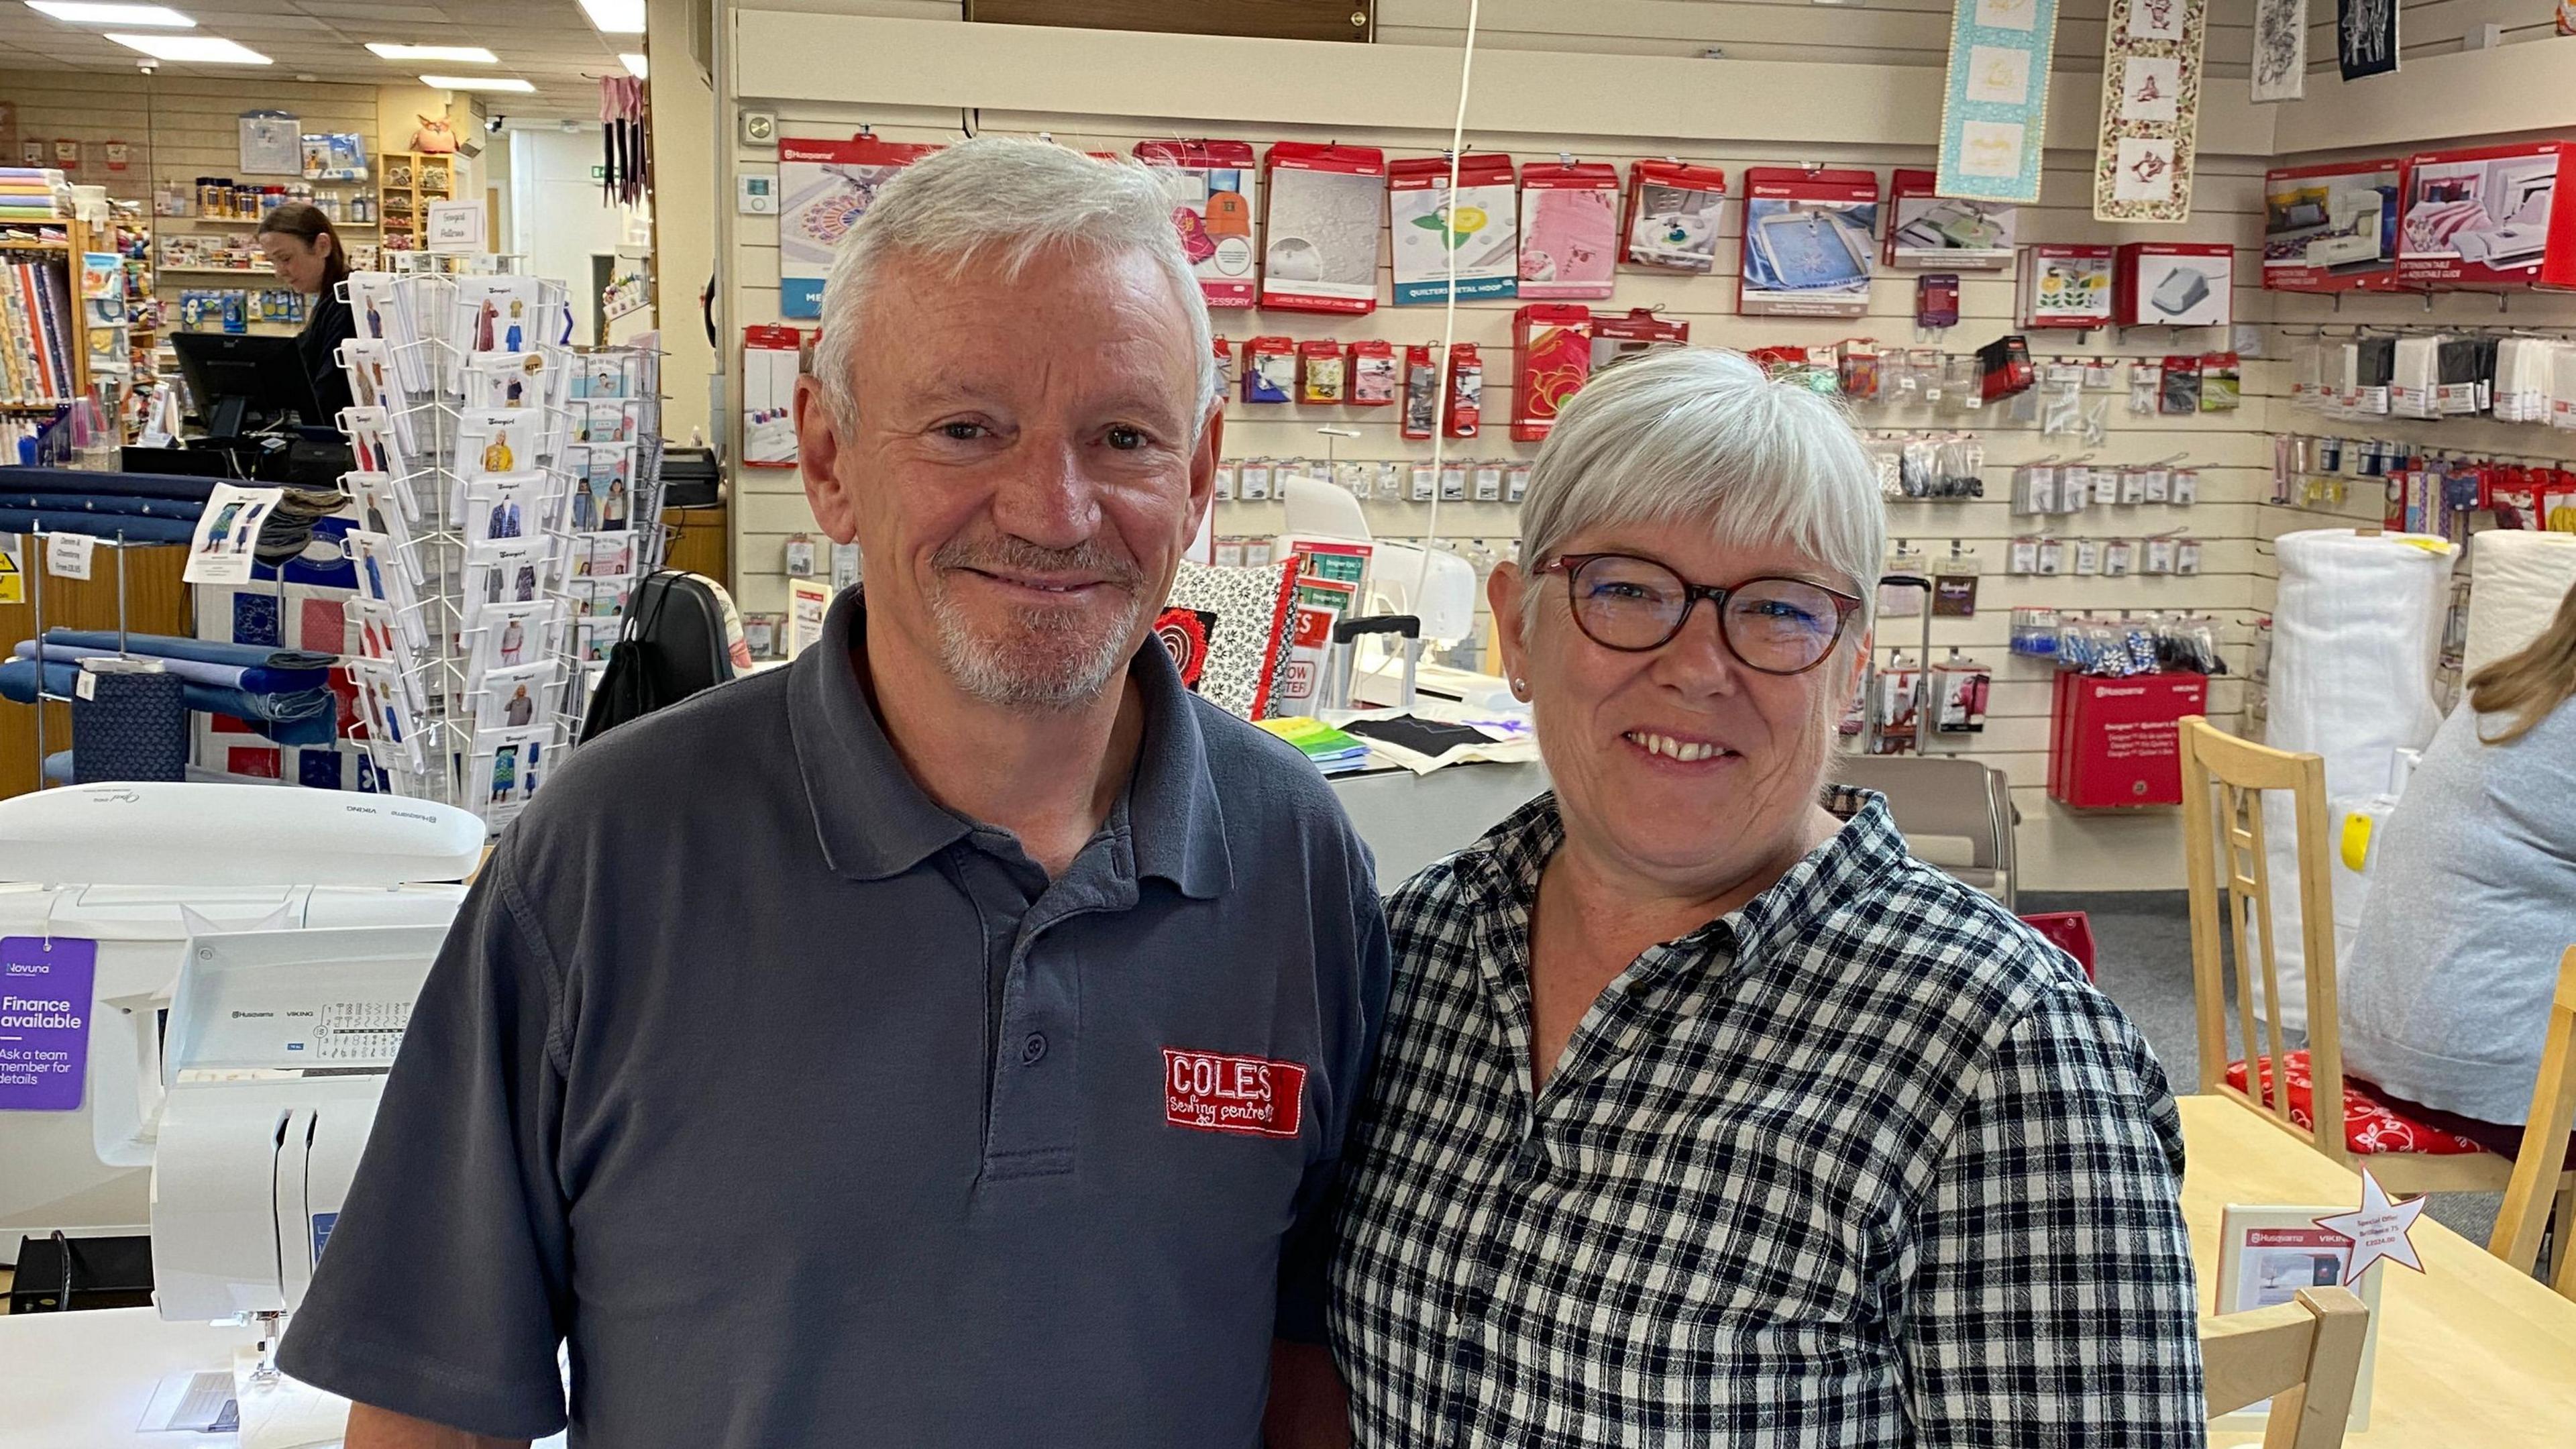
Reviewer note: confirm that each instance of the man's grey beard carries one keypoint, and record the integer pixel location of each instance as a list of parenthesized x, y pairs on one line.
[(1046, 661)]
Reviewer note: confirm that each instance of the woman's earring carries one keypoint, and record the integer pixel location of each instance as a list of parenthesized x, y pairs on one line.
[(1520, 688)]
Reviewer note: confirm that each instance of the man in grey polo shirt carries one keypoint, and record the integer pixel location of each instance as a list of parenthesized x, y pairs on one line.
[(946, 1039)]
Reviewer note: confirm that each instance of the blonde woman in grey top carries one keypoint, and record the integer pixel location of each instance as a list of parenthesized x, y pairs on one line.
[(2446, 994)]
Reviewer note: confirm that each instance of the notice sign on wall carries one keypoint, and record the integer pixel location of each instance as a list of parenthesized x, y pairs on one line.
[(45, 1007)]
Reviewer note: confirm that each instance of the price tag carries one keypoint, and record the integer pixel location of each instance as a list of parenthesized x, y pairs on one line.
[(67, 555)]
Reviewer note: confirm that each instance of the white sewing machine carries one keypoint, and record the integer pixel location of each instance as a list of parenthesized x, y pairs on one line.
[(139, 869), (2352, 228)]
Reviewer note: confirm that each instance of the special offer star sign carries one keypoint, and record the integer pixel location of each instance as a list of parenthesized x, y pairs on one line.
[(2379, 1230)]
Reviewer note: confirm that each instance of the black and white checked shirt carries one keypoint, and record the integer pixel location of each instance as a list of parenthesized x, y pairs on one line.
[(1863, 1162)]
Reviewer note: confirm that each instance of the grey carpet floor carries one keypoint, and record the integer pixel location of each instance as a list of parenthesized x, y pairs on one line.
[(2142, 945)]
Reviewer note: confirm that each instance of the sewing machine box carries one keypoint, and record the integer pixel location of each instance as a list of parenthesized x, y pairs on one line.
[(1807, 242), (1928, 230), (2116, 743), (1327, 206), (1480, 231), (1569, 230), (1211, 187), (2174, 284), (2066, 286), (2331, 228), (2488, 215), (1672, 215), (1552, 355)]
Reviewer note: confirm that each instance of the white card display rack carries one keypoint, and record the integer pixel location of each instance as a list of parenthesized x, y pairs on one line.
[(508, 498)]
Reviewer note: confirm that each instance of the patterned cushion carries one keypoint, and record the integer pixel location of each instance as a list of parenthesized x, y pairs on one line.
[(1227, 630), (2370, 1126)]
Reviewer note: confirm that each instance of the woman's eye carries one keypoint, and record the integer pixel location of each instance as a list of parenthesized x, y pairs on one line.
[(1126, 439)]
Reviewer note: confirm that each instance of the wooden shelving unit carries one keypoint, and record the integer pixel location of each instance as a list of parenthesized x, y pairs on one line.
[(408, 181), (19, 238)]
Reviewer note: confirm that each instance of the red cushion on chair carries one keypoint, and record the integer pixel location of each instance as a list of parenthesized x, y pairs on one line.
[(2370, 1126)]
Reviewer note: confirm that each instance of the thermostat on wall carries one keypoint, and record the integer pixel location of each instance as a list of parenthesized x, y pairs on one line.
[(756, 193), (759, 128)]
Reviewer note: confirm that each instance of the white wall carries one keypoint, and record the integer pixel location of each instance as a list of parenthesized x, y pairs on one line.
[(557, 219)]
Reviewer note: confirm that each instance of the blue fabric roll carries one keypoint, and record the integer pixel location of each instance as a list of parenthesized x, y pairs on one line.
[(309, 718), (132, 727), (257, 680), (105, 485), (102, 507), (204, 651)]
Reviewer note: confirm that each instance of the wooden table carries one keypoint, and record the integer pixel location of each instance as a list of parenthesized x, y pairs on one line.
[(2471, 1353)]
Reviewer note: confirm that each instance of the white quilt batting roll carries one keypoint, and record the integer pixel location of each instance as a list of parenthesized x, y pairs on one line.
[(2356, 630), (2520, 577)]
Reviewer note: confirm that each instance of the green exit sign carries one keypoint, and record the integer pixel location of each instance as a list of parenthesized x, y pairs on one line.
[(599, 173)]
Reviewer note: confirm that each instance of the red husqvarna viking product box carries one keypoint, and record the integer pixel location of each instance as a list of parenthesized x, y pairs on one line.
[(1807, 242), (2174, 284), (2118, 742), (2332, 228), (2491, 215), (1552, 355), (1321, 237)]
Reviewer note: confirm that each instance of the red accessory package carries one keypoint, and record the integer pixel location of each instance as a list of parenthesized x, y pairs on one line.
[(1421, 394), (1672, 215), (1373, 379), (1552, 352), (1325, 211), (1269, 369), (1466, 390), (1323, 374), (1642, 330), (2490, 214), (1569, 230), (1211, 192)]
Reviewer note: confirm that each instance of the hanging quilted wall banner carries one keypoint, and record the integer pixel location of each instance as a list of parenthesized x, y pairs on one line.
[(2366, 37), (2150, 110), (2280, 50), (1994, 105)]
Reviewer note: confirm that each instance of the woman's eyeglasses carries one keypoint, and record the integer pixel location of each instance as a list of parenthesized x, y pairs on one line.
[(1634, 605)]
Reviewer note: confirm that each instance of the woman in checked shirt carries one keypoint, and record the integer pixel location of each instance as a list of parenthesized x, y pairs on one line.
[(1702, 1117)]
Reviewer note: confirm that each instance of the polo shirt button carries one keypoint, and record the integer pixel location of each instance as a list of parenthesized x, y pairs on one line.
[(1033, 1050)]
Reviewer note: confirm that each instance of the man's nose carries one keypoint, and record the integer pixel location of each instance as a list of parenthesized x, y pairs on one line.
[(1045, 497)]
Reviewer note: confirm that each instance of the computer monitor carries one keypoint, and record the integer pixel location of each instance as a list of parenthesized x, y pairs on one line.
[(241, 382)]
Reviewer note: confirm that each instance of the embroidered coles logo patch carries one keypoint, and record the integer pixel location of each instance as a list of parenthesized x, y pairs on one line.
[(1215, 1093)]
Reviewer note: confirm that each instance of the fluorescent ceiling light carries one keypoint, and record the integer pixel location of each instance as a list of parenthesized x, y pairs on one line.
[(467, 54), (72, 13), (475, 83), (615, 17), (633, 62), (199, 49)]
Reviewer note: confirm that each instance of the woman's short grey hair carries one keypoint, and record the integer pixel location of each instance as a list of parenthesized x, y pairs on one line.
[(1011, 199), (1700, 438)]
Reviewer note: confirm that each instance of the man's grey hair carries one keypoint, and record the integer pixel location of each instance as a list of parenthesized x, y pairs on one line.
[(1009, 199), (1700, 438)]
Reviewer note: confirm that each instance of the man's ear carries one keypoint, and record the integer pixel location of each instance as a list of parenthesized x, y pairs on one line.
[(818, 457), (1203, 461)]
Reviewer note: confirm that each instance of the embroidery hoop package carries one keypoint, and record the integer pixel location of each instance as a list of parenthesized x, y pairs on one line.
[(1807, 242), (2331, 228), (1327, 206), (1211, 188), (1926, 230), (1482, 226), (1569, 230)]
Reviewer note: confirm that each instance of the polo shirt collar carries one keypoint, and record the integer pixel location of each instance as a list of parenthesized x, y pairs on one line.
[(873, 821)]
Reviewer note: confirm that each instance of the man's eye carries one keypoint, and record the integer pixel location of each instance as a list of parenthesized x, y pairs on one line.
[(1126, 439), (962, 432)]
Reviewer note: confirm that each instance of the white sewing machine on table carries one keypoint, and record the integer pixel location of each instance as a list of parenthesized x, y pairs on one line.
[(257, 953)]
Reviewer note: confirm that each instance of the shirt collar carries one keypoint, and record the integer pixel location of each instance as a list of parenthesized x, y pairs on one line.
[(873, 820), (1507, 861)]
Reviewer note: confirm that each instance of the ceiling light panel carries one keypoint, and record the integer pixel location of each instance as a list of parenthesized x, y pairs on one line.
[(192, 49), (72, 13), (633, 62), (458, 54), (615, 17), (476, 83)]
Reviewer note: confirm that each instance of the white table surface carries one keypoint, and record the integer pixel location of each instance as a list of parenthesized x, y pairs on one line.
[(78, 1379)]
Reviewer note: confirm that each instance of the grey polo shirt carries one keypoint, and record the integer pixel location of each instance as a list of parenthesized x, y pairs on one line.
[(812, 1113)]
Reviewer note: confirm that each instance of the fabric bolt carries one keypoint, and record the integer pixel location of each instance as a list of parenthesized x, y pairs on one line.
[(1864, 1162), (177, 486), (204, 651), (222, 676), (306, 718), (132, 528), (2356, 629), (110, 507), (132, 726), (2446, 989)]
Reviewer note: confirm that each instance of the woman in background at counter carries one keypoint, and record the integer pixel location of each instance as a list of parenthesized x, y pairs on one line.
[(307, 255), (2446, 994)]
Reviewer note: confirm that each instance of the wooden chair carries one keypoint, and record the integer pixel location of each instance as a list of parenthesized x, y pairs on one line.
[(2302, 1355), (2239, 772), (2544, 1147)]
